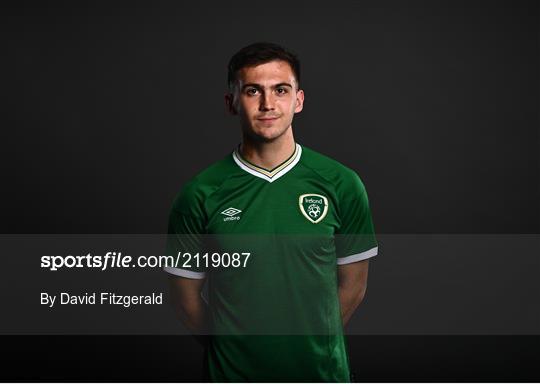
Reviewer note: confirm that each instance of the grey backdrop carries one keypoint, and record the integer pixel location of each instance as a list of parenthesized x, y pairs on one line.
[(109, 109)]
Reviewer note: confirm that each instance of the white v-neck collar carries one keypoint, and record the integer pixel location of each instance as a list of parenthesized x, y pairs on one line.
[(265, 174)]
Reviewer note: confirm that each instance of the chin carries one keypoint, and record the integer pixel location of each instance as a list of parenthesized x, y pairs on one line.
[(265, 134), (269, 135)]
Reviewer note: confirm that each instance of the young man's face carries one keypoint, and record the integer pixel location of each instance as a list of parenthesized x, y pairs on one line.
[(266, 97)]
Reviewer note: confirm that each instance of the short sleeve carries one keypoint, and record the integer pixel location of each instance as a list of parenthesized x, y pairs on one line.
[(355, 240), (184, 241)]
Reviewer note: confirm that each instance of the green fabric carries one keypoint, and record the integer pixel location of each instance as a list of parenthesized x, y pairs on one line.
[(277, 318)]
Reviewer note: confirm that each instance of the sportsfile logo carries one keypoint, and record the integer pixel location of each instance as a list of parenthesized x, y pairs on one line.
[(231, 214)]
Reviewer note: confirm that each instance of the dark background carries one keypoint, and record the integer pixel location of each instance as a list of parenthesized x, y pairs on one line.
[(110, 107)]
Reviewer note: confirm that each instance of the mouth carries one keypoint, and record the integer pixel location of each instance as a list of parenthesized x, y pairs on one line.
[(268, 118)]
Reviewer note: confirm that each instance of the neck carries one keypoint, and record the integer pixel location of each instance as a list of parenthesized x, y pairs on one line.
[(268, 154)]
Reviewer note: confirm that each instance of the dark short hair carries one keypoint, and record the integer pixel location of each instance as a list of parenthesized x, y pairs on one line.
[(261, 53)]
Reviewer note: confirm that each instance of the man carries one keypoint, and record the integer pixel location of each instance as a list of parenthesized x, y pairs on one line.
[(303, 217)]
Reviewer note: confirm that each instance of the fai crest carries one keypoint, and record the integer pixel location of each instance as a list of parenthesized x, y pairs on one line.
[(314, 207)]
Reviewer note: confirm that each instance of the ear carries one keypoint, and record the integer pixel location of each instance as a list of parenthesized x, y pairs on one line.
[(299, 101), (229, 103)]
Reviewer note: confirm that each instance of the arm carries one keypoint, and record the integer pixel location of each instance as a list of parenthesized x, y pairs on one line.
[(352, 285), (189, 305)]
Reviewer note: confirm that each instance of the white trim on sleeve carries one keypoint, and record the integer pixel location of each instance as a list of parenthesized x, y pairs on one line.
[(358, 257), (185, 273)]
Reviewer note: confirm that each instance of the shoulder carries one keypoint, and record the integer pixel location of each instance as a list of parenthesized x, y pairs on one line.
[(196, 191), (344, 179)]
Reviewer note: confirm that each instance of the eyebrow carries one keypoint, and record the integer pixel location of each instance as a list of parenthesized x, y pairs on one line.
[(259, 86)]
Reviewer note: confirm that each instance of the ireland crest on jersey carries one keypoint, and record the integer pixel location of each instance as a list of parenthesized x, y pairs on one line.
[(314, 207)]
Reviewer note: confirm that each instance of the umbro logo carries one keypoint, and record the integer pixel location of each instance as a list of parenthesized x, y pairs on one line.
[(231, 213)]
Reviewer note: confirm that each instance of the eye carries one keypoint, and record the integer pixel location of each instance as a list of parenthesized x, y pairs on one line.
[(251, 91), (281, 90)]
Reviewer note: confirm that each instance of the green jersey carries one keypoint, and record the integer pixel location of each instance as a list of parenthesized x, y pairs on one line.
[(275, 313)]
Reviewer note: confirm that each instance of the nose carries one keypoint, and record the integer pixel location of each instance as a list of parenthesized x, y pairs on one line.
[(266, 102)]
